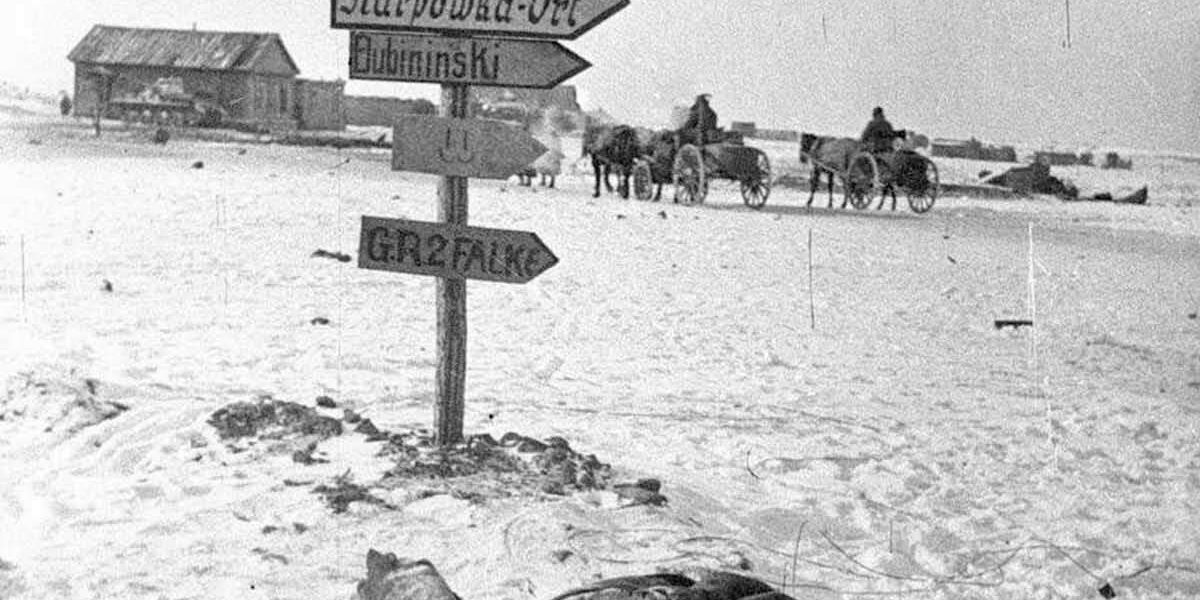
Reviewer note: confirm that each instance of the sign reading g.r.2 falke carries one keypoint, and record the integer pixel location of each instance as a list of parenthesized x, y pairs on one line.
[(560, 19), (452, 251)]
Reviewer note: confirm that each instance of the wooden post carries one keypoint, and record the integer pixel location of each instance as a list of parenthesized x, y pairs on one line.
[(451, 295)]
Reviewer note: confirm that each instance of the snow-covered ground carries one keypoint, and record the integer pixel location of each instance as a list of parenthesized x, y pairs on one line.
[(870, 434)]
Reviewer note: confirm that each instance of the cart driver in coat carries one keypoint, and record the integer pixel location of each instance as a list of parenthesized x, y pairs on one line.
[(878, 136), (877, 139), (701, 122)]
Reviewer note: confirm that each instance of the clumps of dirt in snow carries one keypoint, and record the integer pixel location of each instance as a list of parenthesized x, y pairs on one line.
[(343, 491), (56, 403), (478, 470), (287, 426), (483, 468), (270, 419)]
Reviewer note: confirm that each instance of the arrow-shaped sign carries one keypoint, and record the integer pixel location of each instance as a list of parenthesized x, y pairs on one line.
[(470, 61), (461, 147), (452, 251), (558, 19)]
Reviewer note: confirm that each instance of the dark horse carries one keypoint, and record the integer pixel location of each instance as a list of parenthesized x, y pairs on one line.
[(658, 150), (613, 148), (830, 156)]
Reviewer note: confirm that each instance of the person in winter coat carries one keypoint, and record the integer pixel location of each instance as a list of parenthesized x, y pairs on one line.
[(877, 137), (702, 120)]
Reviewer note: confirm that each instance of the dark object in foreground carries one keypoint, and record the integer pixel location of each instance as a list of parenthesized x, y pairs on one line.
[(338, 256), (711, 585), (1107, 592), (1139, 197), (1014, 323), (644, 492), (391, 578), (1034, 178)]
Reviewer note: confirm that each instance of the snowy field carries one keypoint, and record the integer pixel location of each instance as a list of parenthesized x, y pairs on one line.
[(869, 435)]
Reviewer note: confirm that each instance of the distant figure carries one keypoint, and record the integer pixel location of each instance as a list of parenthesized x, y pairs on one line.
[(701, 121), (64, 104), (549, 165), (878, 136)]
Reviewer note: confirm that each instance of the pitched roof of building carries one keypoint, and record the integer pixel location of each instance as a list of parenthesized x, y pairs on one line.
[(182, 49)]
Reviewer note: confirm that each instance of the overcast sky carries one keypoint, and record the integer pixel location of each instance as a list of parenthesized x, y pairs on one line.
[(996, 69)]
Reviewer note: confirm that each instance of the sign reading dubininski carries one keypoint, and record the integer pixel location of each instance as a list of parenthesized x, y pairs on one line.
[(452, 251), (471, 61), (558, 19)]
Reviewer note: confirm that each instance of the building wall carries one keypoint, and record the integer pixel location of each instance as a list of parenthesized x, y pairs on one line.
[(377, 110), (974, 150), (226, 88), (563, 97), (320, 105), (272, 103), (781, 135), (267, 101)]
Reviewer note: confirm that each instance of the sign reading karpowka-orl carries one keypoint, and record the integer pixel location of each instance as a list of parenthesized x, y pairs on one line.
[(461, 147), (559, 19), (452, 251), (471, 61)]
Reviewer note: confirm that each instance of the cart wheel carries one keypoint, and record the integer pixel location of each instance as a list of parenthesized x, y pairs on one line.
[(691, 185), (862, 180), (757, 189), (921, 202), (643, 184)]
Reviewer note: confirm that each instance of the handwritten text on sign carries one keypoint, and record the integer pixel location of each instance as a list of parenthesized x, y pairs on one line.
[(471, 61), (452, 251), (563, 19), (461, 147)]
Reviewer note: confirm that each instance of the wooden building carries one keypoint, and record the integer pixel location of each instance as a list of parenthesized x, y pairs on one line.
[(251, 77), (563, 97), (973, 149)]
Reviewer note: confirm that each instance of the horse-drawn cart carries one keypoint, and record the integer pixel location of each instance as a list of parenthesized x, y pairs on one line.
[(870, 174), (690, 167)]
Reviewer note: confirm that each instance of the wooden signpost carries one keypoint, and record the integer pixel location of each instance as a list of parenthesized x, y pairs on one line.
[(465, 148), (557, 19), (452, 251), (456, 147), (471, 61)]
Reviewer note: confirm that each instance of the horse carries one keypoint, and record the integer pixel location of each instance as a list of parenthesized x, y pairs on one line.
[(613, 148), (830, 156), (658, 151)]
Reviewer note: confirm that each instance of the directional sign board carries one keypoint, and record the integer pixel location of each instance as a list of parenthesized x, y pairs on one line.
[(472, 61), (557, 19), (452, 251), (461, 147)]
